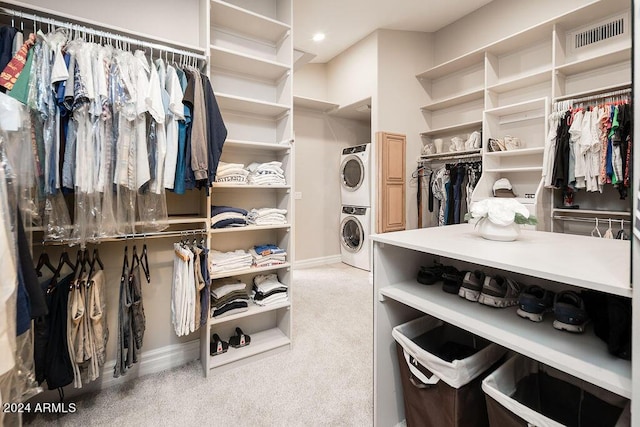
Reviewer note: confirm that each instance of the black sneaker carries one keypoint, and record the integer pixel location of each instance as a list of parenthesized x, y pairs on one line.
[(472, 285), (570, 312), (451, 280), (499, 291), (430, 275), (533, 302)]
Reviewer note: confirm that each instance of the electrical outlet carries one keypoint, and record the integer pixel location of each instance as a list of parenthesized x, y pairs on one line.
[(297, 195)]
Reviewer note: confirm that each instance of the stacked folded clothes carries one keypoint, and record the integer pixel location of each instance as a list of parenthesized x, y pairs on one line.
[(270, 173), (267, 216), (268, 290), (266, 255), (229, 261), (226, 216), (228, 297), (231, 173)]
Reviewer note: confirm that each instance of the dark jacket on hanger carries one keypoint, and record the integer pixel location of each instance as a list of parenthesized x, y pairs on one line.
[(7, 34), (216, 130)]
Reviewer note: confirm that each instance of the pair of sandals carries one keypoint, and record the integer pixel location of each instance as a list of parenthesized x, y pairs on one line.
[(218, 346), (508, 143)]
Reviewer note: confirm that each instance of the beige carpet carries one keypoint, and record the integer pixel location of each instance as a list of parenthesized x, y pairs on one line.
[(327, 379)]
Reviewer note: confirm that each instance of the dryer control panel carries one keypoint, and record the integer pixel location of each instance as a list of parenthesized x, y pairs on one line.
[(355, 149)]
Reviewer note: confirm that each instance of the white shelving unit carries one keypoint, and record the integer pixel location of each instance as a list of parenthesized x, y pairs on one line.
[(536, 257), (507, 87), (251, 71), (582, 71)]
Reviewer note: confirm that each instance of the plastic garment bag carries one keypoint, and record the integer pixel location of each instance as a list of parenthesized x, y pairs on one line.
[(15, 126), (152, 201)]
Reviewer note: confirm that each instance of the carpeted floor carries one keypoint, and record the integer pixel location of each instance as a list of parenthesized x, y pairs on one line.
[(327, 378)]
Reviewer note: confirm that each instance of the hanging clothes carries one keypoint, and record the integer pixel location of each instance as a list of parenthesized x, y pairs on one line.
[(122, 116), (590, 146), (131, 317)]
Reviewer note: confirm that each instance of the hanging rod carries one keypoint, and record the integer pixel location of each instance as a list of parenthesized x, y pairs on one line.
[(622, 90), (125, 237), (604, 221), (100, 33)]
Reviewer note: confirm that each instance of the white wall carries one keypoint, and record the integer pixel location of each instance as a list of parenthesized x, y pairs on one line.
[(178, 21), (352, 75), (319, 142), (402, 55), (310, 81), (496, 20)]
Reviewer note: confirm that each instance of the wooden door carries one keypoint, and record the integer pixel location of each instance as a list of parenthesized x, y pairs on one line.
[(391, 149)]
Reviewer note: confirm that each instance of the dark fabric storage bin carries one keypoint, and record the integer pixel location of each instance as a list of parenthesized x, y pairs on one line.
[(524, 392), (441, 368)]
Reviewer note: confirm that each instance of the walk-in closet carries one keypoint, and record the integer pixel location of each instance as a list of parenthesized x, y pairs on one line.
[(286, 212)]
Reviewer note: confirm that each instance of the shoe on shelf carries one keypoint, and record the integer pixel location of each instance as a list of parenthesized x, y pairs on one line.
[(499, 291), (217, 346), (496, 145), (512, 143), (473, 142), (451, 280), (534, 302), (430, 275), (240, 339), (472, 285), (570, 312)]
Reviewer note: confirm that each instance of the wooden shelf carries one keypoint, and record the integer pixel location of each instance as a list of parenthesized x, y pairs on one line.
[(256, 145), (518, 169), (453, 65), (581, 355), (461, 127), (359, 110), (222, 185), (248, 228), (252, 270), (253, 310), (314, 104), (261, 342), (535, 253), (521, 82), (594, 91), (250, 106), (451, 154), (513, 153), (183, 219), (520, 107), (470, 96), (594, 63), (247, 64), (591, 212), (246, 22)]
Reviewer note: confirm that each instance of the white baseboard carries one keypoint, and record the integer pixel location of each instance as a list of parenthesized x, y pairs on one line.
[(150, 362), (154, 361), (317, 262)]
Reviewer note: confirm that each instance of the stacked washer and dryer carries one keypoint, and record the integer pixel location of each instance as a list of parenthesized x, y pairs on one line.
[(355, 217)]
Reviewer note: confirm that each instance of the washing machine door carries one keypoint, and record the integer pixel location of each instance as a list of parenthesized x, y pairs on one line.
[(352, 173), (352, 234)]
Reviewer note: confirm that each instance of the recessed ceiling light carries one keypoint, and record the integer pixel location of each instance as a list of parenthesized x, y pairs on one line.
[(318, 37)]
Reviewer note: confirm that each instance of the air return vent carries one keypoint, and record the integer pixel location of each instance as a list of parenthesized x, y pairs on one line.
[(602, 32), (608, 29)]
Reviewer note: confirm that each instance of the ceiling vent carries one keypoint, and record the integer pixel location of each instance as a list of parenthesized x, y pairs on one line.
[(608, 29)]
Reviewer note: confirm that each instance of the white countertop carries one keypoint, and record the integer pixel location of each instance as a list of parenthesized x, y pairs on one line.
[(584, 261)]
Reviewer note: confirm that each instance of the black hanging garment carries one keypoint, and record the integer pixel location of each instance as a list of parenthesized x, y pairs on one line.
[(58, 371)]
